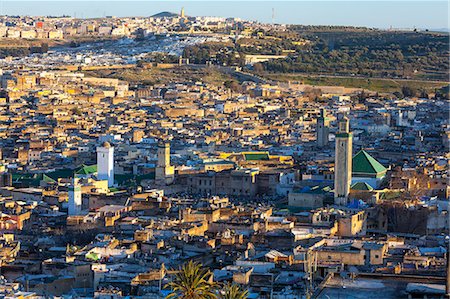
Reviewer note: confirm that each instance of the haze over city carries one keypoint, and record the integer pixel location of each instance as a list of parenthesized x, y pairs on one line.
[(380, 14)]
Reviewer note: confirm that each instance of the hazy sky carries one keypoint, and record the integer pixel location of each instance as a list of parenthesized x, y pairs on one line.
[(380, 14)]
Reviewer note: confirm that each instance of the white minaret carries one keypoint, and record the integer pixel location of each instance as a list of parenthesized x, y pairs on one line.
[(343, 163), (105, 163), (322, 129), (164, 171), (75, 199)]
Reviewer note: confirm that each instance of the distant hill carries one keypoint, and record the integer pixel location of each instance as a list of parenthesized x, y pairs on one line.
[(165, 14)]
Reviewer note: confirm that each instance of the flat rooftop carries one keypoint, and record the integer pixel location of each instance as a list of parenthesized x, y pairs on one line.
[(366, 288)]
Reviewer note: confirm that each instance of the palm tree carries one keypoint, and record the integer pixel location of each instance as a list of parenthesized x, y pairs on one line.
[(191, 282), (232, 291)]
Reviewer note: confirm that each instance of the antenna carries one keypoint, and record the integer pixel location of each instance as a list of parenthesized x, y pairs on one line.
[(273, 16)]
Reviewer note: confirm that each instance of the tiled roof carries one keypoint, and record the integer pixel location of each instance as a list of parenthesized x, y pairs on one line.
[(361, 186), (256, 156), (86, 169), (364, 163)]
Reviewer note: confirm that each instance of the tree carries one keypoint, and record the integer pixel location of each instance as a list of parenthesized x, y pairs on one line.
[(362, 96), (140, 63), (192, 282), (258, 67), (423, 93), (77, 111), (232, 291), (44, 48), (233, 85), (398, 94), (408, 91), (312, 93)]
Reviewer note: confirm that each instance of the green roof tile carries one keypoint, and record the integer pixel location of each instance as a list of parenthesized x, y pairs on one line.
[(256, 156), (363, 186), (47, 179), (86, 169), (363, 163)]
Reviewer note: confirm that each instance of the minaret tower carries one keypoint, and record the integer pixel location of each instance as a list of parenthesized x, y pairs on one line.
[(105, 163), (343, 162), (75, 199), (322, 129), (164, 171)]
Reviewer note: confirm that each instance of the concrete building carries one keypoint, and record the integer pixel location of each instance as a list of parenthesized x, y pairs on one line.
[(322, 130), (75, 199), (343, 162), (165, 173), (310, 197), (105, 163)]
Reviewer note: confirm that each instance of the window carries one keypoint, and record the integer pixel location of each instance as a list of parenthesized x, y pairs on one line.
[(376, 256)]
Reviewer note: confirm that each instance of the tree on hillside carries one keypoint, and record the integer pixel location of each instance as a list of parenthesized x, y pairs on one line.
[(258, 67), (408, 91), (233, 85)]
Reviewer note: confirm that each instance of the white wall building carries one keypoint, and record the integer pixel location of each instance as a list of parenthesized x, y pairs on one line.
[(105, 163), (75, 199)]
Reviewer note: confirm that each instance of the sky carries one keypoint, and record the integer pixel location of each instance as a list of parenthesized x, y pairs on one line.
[(378, 14)]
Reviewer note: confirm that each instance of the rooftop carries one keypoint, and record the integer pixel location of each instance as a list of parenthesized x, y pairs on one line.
[(365, 164)]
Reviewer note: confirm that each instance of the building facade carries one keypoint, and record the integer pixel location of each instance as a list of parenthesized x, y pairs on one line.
[(75, 199), (105, 163), (164, 173), (322, 130), (343, 163)]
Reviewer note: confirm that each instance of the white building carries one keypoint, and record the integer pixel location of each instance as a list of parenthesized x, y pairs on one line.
[(105, 163), (75, 199)]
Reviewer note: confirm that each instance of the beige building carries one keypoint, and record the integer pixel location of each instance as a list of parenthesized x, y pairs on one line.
[(350, 252), (165, 173)]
